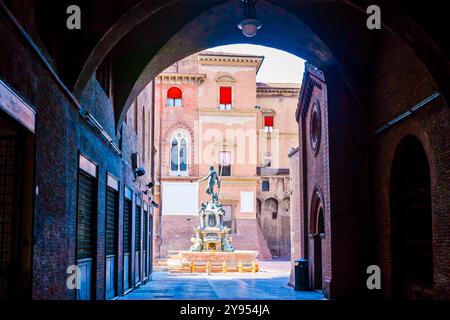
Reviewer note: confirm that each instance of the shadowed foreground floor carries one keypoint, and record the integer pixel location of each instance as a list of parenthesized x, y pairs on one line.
[(269, 284)]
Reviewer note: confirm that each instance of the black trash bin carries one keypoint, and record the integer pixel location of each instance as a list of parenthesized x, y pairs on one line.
[(301, 275)]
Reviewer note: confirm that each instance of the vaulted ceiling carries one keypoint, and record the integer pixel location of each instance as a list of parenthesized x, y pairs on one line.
[(144, 37)]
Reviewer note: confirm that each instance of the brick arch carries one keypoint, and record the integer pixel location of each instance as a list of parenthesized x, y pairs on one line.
[(317, 203), (177, 126), (273, 200), (416, 131), (126, 31)]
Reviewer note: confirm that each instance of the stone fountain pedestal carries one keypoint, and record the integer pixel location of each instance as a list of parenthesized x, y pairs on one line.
[(214, 262), (212, 250)]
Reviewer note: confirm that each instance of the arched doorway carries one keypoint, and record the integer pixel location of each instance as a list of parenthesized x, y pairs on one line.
[(316, 238), (411, 221)]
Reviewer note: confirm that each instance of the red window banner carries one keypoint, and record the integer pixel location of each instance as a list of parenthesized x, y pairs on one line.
[(268, 121), (174, 93), (225, 95)]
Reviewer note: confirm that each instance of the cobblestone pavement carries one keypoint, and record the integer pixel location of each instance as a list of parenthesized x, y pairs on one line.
[(269, 284)]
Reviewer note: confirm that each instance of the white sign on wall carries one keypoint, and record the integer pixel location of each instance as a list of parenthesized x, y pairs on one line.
[(179, 198), (247, 202)]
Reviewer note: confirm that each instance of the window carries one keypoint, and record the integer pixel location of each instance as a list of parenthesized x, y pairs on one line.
[(266, 186), (226, 97), (179, 154), (225, 163), (268, 123), (174, 97)]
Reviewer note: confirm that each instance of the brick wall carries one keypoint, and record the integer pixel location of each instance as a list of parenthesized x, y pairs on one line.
[(61, 135), (295, 223), (432, 127)]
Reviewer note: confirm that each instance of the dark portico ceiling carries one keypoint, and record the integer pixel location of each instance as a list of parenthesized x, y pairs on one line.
[(143, 37)]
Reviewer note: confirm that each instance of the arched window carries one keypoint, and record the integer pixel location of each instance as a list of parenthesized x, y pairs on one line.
[(179, 154), (174, 97)]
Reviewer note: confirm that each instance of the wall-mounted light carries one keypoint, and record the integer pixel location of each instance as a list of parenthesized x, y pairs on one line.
[(139, 172), (154, 204), (249, 25)]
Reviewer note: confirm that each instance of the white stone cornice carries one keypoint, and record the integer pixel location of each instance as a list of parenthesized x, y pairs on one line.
[(230, 59), (181, 78), (268, 91)]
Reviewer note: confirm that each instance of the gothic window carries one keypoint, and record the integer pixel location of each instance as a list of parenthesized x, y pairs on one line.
[(266, 186), (174, 97), (179, 154)]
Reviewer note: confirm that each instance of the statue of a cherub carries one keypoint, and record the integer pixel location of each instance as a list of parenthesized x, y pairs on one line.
[(226, 245), (197, 245)]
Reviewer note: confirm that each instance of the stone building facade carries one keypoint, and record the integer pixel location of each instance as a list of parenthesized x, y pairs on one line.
[(277, 102), (211, 109)]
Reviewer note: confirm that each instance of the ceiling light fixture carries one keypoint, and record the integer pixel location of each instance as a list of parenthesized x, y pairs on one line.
[(249, 25)]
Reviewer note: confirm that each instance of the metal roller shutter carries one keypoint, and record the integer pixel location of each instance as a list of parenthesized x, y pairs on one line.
[(86, 205), (127, 226), (111, 222), (138, 228), (7, 209)]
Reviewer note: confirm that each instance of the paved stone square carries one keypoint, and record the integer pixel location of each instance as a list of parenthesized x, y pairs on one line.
[(269, 284)]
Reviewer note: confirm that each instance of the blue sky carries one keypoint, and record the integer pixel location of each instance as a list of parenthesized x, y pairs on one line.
[(278, 66)]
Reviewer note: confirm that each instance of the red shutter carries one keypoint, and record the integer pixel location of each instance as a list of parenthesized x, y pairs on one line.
[(174, 93), (225, 95), (268, 121)]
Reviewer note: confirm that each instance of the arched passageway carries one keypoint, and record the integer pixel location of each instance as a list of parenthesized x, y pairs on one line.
[(365, 80)]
